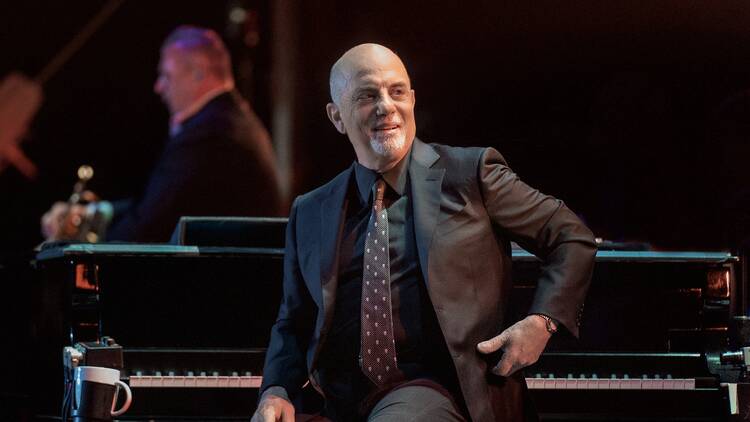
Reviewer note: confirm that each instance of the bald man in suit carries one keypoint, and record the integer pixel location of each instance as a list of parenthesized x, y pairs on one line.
[(451, 214)]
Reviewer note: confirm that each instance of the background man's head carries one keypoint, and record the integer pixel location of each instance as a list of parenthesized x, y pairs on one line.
[(373, 104), (193, 62)]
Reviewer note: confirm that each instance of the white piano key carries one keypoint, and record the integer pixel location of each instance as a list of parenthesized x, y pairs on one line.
[(251, 381), (614, 383), (549, 383), (651, 384), (630, 384), (671, 384), (191, 381), (234, 381), (137, 380)]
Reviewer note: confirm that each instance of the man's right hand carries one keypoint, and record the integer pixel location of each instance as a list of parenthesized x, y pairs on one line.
[(62, 221), (272, 409)]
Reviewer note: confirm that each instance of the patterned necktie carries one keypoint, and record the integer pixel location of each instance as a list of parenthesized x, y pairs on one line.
[(378, 351)]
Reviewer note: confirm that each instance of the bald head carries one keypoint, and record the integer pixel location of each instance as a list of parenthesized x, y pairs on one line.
[(194, 62), (373, 104), (201, 47), (361, 58)]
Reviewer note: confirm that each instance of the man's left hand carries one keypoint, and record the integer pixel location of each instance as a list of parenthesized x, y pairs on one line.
[(522, 343)]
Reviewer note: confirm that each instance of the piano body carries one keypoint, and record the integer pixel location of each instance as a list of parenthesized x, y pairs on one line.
[(654, 328), (193, 323), (178, 311)]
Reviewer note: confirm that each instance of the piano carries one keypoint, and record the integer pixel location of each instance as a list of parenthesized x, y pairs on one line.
[(653, 327), (193, 322)]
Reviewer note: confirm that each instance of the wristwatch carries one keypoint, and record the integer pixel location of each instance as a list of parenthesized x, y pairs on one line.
[(550, 323)]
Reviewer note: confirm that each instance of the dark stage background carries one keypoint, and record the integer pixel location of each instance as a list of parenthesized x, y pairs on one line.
[(635, 113)]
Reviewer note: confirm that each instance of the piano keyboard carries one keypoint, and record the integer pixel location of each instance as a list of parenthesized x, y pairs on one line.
[(201, 380), (538, 382), (594, 383)]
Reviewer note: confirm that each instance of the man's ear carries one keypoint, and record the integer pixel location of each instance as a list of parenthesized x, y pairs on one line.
[(334, 115)]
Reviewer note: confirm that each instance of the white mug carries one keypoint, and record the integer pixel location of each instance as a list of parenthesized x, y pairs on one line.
[(89, 378)]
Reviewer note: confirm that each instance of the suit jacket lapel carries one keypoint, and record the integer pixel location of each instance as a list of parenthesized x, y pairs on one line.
[(331, 213), (426, 185)]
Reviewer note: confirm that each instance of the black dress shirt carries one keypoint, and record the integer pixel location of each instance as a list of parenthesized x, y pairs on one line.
[(420, 346)]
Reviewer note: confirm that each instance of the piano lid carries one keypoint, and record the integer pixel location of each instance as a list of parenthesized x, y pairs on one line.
[(140, 249), (53, 251), (647, 256)]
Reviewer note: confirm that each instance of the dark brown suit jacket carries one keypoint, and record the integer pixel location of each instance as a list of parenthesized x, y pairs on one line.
[(468, 206)]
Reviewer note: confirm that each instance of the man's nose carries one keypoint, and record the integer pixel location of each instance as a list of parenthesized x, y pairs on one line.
[(385, 105)]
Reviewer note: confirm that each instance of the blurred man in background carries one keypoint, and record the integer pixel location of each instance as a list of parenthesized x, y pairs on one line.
[(218, 160)]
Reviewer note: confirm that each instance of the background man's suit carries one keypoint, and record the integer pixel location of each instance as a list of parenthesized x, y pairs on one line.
[(467, 207), (221, 163)]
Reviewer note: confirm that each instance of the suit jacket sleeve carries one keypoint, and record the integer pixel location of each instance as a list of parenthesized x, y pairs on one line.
[(285, 364), (170, 190), (545, 227)]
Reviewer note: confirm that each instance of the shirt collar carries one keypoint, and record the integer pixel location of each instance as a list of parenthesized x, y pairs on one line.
[(176, 121), (395, 177)]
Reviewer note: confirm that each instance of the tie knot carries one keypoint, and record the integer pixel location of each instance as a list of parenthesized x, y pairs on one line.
[(378, 192)]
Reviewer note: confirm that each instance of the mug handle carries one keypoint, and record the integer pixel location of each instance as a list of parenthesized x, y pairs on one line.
[(128, 399)]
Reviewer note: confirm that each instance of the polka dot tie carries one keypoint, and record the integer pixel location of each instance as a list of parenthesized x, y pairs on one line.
[(378, 351)]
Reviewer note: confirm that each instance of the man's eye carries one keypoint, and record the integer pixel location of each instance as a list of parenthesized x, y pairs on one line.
[(398, 92), (366, 96)]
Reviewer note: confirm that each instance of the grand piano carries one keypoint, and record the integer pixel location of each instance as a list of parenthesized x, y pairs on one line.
[(193, 321)]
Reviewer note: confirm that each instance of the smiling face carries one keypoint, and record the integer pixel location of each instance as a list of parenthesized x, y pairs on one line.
[(373, 105)]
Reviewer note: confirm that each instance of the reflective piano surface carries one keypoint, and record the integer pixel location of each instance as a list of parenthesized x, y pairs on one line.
[(194, 321)]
